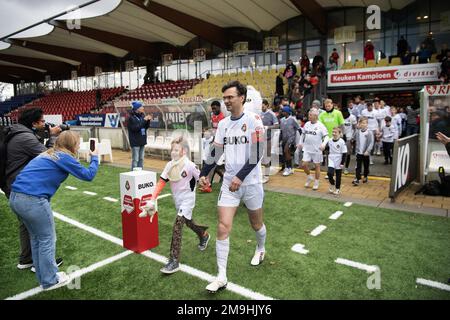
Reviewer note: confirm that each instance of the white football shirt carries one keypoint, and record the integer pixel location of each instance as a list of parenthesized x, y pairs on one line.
[(237, 137), (312, 136)]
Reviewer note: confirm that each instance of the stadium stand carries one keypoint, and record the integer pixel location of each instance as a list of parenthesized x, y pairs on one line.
[(172, 89), (69, 104), (15, 102)]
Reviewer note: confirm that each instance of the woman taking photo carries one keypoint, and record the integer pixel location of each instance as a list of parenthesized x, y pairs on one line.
[(30, 201)]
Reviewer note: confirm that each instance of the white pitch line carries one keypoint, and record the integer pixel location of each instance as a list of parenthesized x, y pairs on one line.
[(299, 248), (74, 275), (348, 204), (110, 199), (164, 196), (336, 215), (71, 188), (356, 265), (318, 230), (90, 193), (154, 256), (433, 284)]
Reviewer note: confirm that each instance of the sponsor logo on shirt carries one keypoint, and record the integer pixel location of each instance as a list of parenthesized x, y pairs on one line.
[(244, 127), (184, 174), (235, 140)]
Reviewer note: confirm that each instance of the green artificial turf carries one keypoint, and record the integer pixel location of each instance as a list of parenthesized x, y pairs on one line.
[(405, 246)]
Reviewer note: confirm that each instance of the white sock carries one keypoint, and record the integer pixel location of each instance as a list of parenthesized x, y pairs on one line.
[(311, 176), (222, 250), (261, 238)]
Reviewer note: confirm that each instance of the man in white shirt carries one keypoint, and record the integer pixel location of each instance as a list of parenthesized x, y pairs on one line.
[(240, 137), (372, 125), (313, 140)]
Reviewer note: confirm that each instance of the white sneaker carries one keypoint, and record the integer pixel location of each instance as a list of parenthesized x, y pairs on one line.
[(345, 171), (63, 279), (331, 189), (258, 258), (265, 179), (291, 171), (215, 286), (371, 162), (286, 172), (316, 185), (337, 192), (309, 179), (378, 153)]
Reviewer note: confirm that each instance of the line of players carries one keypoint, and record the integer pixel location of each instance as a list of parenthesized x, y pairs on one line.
[(364, 128)]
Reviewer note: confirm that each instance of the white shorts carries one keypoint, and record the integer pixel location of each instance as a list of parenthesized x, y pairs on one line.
[(252, 196), (334, 161), (312, 157), (185, 207)]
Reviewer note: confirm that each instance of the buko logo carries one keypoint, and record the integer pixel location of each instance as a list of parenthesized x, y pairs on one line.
[(145, 185)]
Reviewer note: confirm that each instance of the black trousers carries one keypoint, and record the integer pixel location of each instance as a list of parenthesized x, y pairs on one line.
[(387, 150), (338, 177), (360, 161)]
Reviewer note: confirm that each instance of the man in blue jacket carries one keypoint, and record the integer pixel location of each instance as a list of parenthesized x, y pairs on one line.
[(138, 123)]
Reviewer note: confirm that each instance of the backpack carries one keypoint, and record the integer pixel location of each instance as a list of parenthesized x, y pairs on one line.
[(431, 188), (445, 182), (5, 137)]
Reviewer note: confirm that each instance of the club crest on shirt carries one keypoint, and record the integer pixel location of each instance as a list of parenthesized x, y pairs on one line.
[(244, 127), (184, 174)]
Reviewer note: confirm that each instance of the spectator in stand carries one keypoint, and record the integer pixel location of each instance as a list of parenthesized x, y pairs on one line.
[(216, 115), (290, 71), (402, 46), (369, 51), (317, 64), (406, 58), (445, 68), (424, 54), (334, 59), (279, 90), (429, 44), (304, 63), (98, 99)]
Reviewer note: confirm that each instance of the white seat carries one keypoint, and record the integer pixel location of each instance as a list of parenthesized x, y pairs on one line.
[(84, 149), (159, 143), (167, 143), (439, 159), (104, 148)]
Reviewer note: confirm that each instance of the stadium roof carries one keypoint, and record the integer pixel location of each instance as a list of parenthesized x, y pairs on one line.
[(112, 31)]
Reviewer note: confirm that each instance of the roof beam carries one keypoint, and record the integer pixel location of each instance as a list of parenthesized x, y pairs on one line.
[(205, 30), (141, 47), (314, 12), (23, 73), (8, 79), (49, 65), (96, 59)]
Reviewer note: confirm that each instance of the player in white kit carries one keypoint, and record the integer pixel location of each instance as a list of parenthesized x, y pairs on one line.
[(183, 176), (241, 137), (336, 160), (313, 140)]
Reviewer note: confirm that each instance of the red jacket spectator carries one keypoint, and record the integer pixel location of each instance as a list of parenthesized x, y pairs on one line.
[(369, 51)]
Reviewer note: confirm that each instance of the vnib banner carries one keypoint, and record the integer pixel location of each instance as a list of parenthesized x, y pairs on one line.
[(112, 120)]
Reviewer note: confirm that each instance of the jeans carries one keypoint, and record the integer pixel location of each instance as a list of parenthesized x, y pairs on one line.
[(360, 161), (412, 129), (137, 159), (37, 216)]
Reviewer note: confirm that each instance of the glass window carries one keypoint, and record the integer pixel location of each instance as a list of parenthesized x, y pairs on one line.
[(295, 52), (354, 50)]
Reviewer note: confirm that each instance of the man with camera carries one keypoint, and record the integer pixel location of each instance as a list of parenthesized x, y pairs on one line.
[(24, 144)]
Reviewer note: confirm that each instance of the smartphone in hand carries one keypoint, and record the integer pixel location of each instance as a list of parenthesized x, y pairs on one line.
[(92, 145)]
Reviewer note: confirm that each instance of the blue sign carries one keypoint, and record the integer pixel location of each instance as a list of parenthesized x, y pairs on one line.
[(91, 120)]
